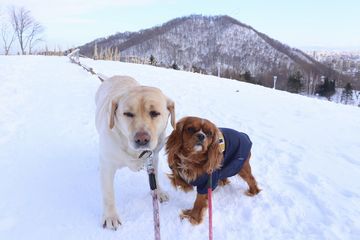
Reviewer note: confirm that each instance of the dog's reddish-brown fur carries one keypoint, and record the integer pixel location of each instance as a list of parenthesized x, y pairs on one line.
[(186, 161)]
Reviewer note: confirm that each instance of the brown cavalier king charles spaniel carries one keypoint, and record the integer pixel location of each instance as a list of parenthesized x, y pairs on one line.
[(198, 149)]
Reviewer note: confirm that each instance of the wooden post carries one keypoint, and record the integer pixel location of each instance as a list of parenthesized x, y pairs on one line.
[(275, 78)]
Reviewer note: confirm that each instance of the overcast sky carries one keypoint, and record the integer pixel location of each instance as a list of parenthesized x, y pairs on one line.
[(301, 24)]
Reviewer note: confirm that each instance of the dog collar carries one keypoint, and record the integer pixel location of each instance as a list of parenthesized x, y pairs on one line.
[(221, 142)]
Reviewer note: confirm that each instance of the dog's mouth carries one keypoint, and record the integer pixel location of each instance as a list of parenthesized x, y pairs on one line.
[(142, 148), (199, 143), (198, 147)]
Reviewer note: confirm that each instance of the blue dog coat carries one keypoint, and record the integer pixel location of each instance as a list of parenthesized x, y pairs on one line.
[(237, 150)]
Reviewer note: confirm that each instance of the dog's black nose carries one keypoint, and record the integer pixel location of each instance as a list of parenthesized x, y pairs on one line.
[(200, 137), (142, 138)]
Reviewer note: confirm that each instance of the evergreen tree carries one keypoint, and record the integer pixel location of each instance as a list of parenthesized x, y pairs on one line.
[(247, 76), (152, 60), (347, 94), (294, 84), (175, 66), (196, 69), (327, 89)]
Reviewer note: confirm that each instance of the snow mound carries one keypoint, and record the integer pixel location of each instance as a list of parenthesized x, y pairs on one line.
[(305, 157)]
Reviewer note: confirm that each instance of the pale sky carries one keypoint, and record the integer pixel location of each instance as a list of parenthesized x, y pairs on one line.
[(302, 24)]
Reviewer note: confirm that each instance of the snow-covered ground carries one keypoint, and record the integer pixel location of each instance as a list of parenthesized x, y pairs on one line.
[(305, 158)]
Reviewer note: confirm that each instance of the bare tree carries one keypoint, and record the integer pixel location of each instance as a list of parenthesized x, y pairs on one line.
[(26, 28), (34, 35), (7, 36), (95, 56)]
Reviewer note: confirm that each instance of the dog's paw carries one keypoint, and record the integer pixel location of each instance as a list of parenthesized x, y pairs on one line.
[(194, 219), (252, 192), (224, 182), (111, 222), (162, 196)]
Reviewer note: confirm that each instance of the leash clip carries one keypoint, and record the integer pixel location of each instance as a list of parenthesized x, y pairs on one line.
[(150, 167), (148, 155)]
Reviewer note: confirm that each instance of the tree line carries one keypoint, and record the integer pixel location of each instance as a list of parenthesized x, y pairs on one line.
[(296, 82), (326, 88)]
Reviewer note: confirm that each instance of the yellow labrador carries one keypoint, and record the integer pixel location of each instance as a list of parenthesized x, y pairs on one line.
[(130, 118)]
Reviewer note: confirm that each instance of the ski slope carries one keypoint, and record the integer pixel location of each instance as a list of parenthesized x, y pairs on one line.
[(305, 157)]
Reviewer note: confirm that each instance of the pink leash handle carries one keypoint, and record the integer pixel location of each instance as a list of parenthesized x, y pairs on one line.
[(210, 206), (153, 188)]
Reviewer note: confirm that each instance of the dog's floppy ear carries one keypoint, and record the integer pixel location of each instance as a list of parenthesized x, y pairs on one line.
[(174, 142), (171, 107), (214, 153), (172, 147), (113, 109)]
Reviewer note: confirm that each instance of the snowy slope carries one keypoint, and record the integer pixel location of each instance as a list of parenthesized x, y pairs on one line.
[(305, 158), (205, 42)]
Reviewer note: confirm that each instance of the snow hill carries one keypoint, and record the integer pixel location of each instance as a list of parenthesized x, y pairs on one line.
[(202, 43), (305, 158)]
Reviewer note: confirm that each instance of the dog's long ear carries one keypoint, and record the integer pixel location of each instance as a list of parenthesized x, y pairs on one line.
[(215, 155), (174, 143), (113, 109), (171, 108)]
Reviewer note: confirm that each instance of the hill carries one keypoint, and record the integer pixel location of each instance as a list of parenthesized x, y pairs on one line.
[(206, 43)]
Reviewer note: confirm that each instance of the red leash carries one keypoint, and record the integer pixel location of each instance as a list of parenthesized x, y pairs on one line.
[(210, 206)]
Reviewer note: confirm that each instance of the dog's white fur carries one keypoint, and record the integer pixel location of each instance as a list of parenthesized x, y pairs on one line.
[(116, 96)]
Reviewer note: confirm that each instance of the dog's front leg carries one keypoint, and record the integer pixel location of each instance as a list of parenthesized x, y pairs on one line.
[(162, 195), (110, 219), (196, 214)]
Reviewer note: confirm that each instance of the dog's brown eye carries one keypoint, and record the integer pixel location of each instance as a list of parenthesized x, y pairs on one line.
[(154, 114), (209, 134), (191, 130), (129, 114)]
